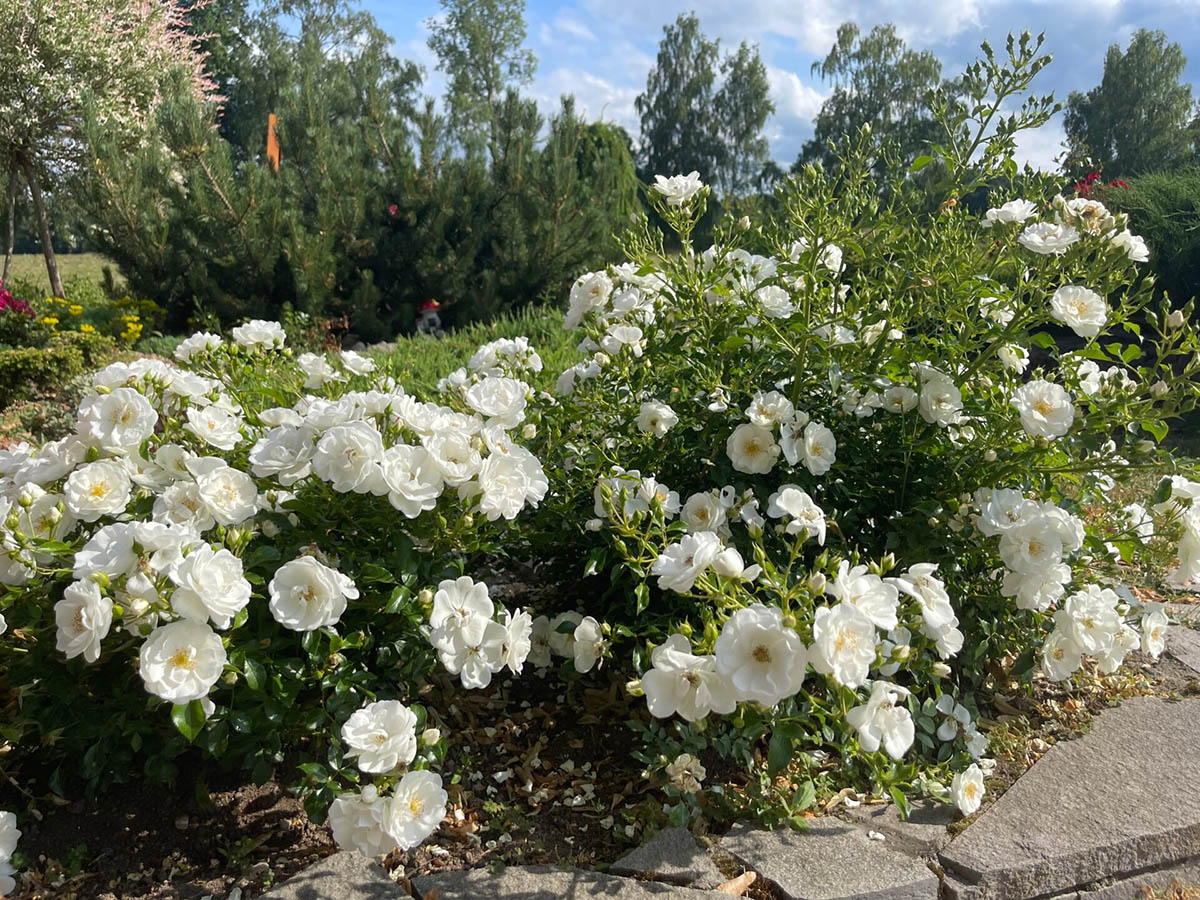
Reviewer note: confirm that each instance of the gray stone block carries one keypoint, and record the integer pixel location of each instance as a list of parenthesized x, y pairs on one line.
[(1183, 612), (1187, 874), (1183, 644), (1119, 800), (343, 876), (541, 883), (673, 856), (922, 834), (832, 860)]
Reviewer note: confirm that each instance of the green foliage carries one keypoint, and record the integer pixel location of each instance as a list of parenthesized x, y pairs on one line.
[(1164, 208), (877, 82), (478, 46), (27, 372), (1139, 118), (742, 107)]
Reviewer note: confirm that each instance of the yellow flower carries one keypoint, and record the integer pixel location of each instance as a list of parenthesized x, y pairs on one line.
[(75, 309), (86, 328)]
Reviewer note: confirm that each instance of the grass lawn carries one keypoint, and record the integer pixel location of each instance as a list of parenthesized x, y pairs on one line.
[(32, 267)]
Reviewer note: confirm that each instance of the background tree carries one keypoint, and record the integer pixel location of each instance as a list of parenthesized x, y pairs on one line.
[(65, 61), (877, 81), (743, 105), (677, 110), (478, 45), (1139, 118)]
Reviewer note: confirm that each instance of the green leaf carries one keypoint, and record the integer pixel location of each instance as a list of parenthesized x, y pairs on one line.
[(900, 800), (189, 719), (779, 751), (374, 573), (1158, 429), (256, 675), (642, 592), (805, 797), (920, 162)]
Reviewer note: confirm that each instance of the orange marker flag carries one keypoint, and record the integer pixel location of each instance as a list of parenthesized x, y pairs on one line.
[(272, 144)]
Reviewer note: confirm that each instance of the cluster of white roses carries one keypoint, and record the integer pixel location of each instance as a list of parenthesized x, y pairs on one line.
[(382, 737), (475, 639), (1073, 219)]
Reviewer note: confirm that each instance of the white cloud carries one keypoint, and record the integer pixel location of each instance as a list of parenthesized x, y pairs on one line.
[(1040, 146), (595, 97), (793, 97)]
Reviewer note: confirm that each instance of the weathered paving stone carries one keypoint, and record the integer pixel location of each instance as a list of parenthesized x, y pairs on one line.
[(1119, 800), (1183, 644), (343, 876), (673, 856), (832, 860), (1187, 874), (541, 883), (922, 834), (1184, 612)]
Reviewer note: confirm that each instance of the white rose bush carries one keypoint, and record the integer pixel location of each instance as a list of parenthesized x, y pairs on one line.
[(830, 475), (233, 553), (838, 464)]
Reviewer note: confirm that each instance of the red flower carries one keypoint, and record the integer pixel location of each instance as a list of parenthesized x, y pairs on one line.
[(393, 209)]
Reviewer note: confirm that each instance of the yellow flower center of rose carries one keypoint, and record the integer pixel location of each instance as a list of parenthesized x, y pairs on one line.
[(1043, 407), (762, 654), (183, 658)]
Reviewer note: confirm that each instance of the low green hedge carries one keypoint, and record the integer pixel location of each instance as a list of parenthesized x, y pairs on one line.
[(27, 372)]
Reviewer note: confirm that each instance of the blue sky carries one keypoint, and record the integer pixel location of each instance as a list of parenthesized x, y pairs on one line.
[(601, 50)]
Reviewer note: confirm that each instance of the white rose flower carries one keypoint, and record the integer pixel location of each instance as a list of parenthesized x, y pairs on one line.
[(681, 682), (870, 594), (474, 652), (259, 333), (1135, 247), (1080, 309), (181, 662), (899, 399), (764, 660), (679, 565), (500, 400), (209, 585), (1154, 630), (356, 363), (844, 644), (940, 401), (588, 645), (509, 481), (589, 292), (793, 503), (382, 735), (884, 720), (775, 301), (656, 418), (306, 594), (413, 479), (356, 821), (703, 512), (996, 309), (317, 370), (752, 449), (284, 453), (540, 651), (518, 642), (10, 834), (417, 807), (967, 789), (770, 409), (1048, 238), (230, 495), (455, 605), (116, 422), (1014, 357), (83, 617), (1010, 212), (1090, 619), (561, 634), (678, 190), (920, 583), (215, 426), (1045, 409), (200, 342), (455, 456), (1061, 656), (97, 489), (819, 448), (348, 456)]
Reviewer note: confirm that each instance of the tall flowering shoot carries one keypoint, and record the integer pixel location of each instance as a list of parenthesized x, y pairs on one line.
[(839, 461)]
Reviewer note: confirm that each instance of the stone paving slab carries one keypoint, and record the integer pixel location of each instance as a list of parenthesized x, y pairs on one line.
[(922, 834), (1187, 874), (343, 876), (673, 856), (543, 883), (1183, 644), (1184, 612), (832, 860), (1121, 799)]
